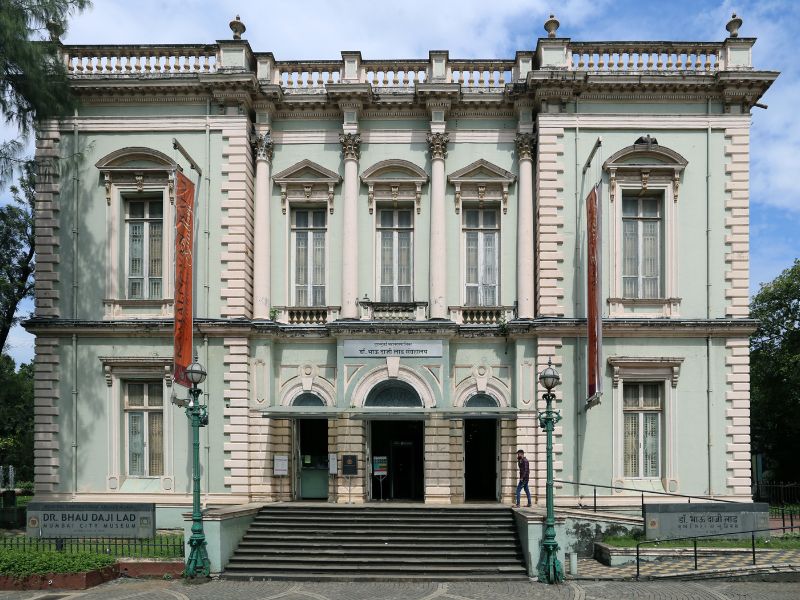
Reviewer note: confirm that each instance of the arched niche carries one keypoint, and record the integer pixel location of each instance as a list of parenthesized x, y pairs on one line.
[(481, 400), (308, 399)]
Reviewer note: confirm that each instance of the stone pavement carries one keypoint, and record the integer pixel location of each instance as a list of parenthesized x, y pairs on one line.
[(132, 589), (682, 566)]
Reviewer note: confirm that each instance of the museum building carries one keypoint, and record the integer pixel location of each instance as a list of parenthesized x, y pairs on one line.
[(386, 254)]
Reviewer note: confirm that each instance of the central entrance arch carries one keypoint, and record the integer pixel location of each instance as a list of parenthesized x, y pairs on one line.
[(397, 445)]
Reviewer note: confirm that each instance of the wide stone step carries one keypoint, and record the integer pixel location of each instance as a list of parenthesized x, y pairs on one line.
[(379, 566), (477, 544), (411, 552), (267, 575)]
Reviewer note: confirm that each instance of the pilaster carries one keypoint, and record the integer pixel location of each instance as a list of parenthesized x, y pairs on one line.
[(526, 308), (737, 416), (437, 144), (351, 151), (47, 220), (46, 454), (236, 412), (261, 235)]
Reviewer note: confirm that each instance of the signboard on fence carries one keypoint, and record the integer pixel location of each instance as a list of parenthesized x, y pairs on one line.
[(730, 519), (89, 519)]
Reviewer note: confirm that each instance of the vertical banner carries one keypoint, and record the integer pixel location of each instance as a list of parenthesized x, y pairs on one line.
[(594, 321), (184, 244)]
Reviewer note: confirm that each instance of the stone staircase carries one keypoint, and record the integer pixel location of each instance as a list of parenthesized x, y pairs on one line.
[(380, 543)]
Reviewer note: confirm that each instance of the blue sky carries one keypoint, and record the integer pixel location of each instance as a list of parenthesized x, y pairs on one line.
[(321, 29)]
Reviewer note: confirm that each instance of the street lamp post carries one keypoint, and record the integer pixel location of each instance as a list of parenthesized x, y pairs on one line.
[(197, 565), (549, 569)]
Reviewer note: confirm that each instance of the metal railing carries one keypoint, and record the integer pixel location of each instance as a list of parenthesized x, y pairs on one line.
[(694, 539), (594, 487), (162, 546), (777, 494)]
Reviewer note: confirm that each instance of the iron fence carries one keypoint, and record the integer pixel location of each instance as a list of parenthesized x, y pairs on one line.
[(161, 546), (694, 538), (776, 494)]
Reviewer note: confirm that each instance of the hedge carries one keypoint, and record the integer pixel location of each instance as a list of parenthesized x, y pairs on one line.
[(20, 563)]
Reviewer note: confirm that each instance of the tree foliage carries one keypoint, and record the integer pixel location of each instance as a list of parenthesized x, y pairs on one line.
[(16, 417), (33, 79), (775, 375), (17, 246)]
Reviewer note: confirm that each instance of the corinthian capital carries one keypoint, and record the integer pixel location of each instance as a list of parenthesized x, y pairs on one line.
[(525, 145), (263, 146), (437, 144), (351, 145)]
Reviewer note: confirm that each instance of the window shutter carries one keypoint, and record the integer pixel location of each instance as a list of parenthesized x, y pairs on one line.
[(136, 444)]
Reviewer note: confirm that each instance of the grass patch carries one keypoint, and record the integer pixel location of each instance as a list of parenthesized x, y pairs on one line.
[(21, 563), (162, 546), (786, 542)]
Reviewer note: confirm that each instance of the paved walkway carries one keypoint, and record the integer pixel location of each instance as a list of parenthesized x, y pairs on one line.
[(683, 566), (131, 589)]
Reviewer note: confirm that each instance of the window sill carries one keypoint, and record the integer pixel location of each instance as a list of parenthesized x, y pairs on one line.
[(644, 307), (137, 309)]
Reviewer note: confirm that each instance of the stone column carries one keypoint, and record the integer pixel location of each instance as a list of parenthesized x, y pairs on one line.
[(437, 143), (351, 151), (525, 275), (261, 230)]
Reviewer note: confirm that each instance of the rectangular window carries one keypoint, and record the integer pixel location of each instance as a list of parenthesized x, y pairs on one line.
[(144, 224), (642, 408), (481, 239), (395, 240), (641, 247), (144, 425), (308, 233)]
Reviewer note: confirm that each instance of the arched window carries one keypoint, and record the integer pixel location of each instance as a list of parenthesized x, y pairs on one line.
[(481, 401), (308, 399), (393, 394)]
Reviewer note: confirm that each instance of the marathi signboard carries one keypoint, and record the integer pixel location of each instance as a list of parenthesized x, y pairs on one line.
[(380, 466), (733, 519), (401, 348), (85, 519)]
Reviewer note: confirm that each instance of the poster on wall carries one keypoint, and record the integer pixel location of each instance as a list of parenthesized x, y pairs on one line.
[(380, 466), (280, 464), (349, 464)]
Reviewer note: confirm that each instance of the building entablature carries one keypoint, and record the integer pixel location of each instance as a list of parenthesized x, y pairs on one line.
[(673, 328)]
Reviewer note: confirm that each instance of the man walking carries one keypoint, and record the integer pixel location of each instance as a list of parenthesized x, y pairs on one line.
[(524, 475)]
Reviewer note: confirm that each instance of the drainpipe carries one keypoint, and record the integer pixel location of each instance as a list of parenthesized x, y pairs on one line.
[(709, 387), (206, 231), (75, 184), (578, 349), (206, 430)]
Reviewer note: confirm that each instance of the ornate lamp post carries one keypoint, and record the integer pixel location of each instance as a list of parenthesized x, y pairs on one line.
[(197, 564), (550, 568)]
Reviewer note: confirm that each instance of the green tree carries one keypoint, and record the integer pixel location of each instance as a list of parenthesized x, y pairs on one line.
[(16, 417), (17, 246), (775, 375), (33, 80)]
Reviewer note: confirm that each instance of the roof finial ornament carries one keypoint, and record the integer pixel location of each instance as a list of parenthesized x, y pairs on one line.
[(733, 25), (237, 27), (551, 26)]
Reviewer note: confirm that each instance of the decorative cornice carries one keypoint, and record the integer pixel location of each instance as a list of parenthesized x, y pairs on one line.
[(263, 146), (526, 144), (640, 365), (351, 145), (437, 144)]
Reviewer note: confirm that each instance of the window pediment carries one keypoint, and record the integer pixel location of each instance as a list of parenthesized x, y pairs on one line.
[(645, 162), (481, 182), (139, 167), (394, 181), (307, 182)]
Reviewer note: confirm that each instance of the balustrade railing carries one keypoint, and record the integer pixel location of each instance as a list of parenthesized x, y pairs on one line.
[(397, 74), (482, 315), (140, 60), (481, 74), (306, 75), (644, 56)]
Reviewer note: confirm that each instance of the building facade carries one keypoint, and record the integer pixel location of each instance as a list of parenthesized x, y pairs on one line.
[(387, 252)]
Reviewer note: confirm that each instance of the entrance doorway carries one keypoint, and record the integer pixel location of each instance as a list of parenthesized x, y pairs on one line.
[(312, 460), (480, 459), (400, 445)]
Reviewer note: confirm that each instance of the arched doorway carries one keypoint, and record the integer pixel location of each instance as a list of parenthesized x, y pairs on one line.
[(481, 453), (396, 446)]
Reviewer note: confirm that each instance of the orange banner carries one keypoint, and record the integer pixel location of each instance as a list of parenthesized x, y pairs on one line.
[(594, 320), (184, 244)]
